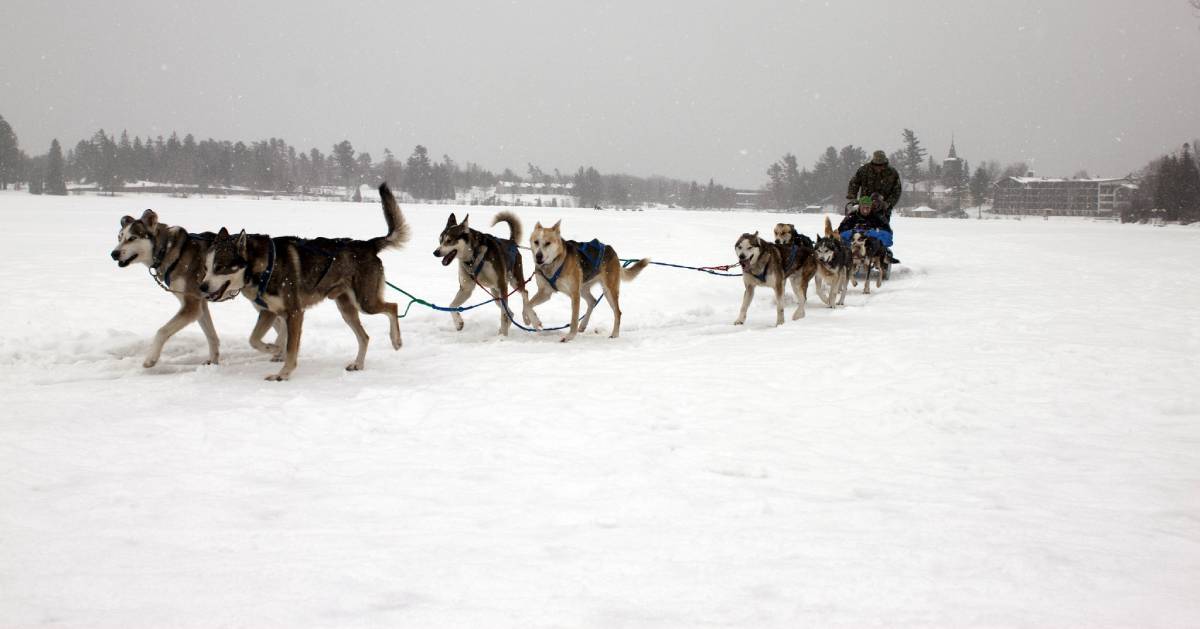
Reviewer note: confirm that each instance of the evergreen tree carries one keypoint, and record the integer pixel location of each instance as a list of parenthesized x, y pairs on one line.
[(980, 184), (10, 155), (910, 167), (54, 182), (418, 177), (391, 169), (343, 154), (1189, 186), (105, 170)]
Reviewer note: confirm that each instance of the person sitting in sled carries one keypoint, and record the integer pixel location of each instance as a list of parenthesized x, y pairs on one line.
[(868, 218), (877, 177)]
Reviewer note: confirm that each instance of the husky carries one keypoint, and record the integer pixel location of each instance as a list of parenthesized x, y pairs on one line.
[(833, 267), (176, 258), (786, 234), (868, 252), (769, 264), (573, 267), (491, 262), (284, 275)]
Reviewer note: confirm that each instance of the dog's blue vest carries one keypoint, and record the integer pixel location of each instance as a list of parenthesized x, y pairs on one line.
[(591, 253)]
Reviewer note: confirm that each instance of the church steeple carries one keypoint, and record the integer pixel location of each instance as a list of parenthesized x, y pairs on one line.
[(953, 153)]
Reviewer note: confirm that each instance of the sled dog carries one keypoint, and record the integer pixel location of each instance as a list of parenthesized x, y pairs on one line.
[(285, 275), (493, 263), (786, 234), (833, 267), (573, 267), (867, 252), (769, 264), (176, 260)]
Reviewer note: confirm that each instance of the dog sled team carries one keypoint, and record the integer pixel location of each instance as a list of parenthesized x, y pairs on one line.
[(283, 276)]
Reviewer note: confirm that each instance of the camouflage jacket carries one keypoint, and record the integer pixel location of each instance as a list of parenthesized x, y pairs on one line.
[(869, 180)]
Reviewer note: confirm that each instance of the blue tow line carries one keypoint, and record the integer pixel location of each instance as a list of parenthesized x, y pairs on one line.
[(625, 262)]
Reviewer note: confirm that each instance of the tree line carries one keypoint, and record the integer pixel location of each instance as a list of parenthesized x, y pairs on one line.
[(791, 186), (1169, 189), (110, 162)]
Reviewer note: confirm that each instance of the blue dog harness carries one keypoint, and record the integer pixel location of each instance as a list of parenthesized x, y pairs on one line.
[(592, 253), (512, 254)]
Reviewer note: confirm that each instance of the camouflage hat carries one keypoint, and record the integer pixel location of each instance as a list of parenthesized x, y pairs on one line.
[(879, 158)]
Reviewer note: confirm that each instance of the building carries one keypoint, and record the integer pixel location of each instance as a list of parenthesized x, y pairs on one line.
[(952, 168), (1062, 197), (750, 199)]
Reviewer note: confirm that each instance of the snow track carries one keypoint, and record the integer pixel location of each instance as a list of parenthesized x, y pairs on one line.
[(1001, 435)]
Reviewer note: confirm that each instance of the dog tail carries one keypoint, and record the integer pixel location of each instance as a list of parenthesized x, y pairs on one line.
[(398, 230), (632, 271), (514, 224)]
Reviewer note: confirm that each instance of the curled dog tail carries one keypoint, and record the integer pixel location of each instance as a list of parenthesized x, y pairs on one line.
[(828, 228), (514, 224), (398, 230), (630, 272)]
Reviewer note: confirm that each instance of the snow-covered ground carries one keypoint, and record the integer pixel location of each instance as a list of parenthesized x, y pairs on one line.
[(1008, 433)]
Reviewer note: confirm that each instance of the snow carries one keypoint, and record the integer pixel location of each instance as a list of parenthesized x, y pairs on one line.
[(1005, 434)]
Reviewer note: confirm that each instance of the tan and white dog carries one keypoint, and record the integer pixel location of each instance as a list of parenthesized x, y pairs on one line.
[(769, 264), (573, 267)]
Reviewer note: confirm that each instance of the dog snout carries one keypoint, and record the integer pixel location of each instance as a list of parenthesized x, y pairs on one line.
[(537, 257), (437, 253), (204, 287), (116, 255)]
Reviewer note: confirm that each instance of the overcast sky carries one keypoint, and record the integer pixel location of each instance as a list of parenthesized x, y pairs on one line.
[(685, 89)]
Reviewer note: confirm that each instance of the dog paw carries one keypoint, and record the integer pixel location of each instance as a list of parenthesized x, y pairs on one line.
[(566, 338), (355, 366), (797, 316), (212, 361), (276, 377), (149, 362)]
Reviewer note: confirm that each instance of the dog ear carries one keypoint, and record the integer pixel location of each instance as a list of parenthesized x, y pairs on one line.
[(451, 222), (224, 233), (150, 219), (240, 243), (465, 219), (557, 226), (126, 220)]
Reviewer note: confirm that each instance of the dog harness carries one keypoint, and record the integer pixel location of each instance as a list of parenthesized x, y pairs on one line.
[(264, 278), (791, 256), (511, 252), (592, 253)]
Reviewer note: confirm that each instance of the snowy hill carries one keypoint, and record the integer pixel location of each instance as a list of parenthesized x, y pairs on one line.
[(1005, 434)]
